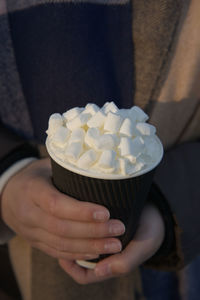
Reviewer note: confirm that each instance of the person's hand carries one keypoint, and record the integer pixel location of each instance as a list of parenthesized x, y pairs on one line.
[(60, 226), (146, 242)]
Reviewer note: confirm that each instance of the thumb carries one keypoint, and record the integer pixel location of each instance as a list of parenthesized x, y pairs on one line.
[(146, 242)]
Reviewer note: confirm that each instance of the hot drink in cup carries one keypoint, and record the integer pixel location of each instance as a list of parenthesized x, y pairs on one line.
[(106, 156)]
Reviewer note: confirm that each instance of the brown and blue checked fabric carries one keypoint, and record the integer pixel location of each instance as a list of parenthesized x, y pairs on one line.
[(67, 53), (91, 44)]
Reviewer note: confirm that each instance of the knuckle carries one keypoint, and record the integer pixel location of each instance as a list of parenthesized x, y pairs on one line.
[(60, 245), (96, 247), (52, 203), (49, 225), (61, 228), (94, 230), (99, 230), (86, 210)]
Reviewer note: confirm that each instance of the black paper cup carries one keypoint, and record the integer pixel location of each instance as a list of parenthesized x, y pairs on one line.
[(124, 197)]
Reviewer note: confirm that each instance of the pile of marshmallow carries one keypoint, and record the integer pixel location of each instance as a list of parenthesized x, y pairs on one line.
[(103, 140)]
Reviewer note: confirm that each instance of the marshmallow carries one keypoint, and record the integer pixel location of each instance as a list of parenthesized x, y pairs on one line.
[(139, 165), (109, 107), (92, 136), (138, 146), (72, 113), (125, 146), (128, 168), (87, 159), (152, 148), (131, 158), (127, 127), (135, 168), (144, 158), (131, 147), (97, 120), (55, 121), (92, 108), (73, 151), (123, 112), (61, 155), (145, 129), (78, 121), (136, 114), (77, 135), (107, 142), (113, 122), (123, 164), (107, 159), (61, 136)]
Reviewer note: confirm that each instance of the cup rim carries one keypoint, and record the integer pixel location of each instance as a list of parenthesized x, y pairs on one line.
[(83, 172)]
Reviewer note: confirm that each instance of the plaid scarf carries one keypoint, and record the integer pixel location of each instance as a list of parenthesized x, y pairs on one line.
[(143, 69), (147, 65), (13, 5)]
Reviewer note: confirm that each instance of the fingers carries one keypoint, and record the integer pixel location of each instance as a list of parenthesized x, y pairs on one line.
[(71, 236), (93, 246), (62, 255), (65, 207), (114, 266), (79, 274), (122, 263), (146, 242), (45, 195), (73, 229), (37, 218)]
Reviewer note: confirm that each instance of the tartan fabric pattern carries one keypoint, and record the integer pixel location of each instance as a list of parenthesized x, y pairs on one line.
[(13, 5), (13, 101), (150, 62), (82, 43), (12, 97)]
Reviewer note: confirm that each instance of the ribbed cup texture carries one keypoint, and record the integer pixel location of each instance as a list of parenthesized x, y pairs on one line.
[(124, 198)]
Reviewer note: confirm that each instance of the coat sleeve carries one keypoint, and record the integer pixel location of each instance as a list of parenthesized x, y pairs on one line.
[(13, 148), (177, 180)]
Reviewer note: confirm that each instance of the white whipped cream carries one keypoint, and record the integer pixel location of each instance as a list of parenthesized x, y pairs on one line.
[(106, 141)]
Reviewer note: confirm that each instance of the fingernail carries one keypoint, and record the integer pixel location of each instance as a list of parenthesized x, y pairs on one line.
[(101, 215), (103, 270), (113, 247), (117, 229)]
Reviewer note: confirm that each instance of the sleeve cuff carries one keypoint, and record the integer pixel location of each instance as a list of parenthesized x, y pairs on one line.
[(5, 232), (168, 257), (23, 151), (9, 165), (12, 170)]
